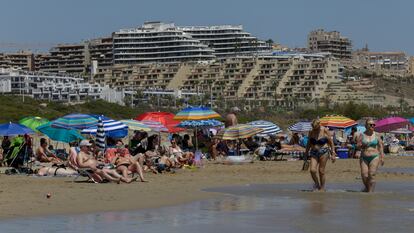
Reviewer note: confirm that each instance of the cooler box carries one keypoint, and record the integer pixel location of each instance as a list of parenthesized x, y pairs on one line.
[(342, 153)]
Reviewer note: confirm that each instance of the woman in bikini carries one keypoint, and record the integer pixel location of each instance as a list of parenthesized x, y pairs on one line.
[(180, 157), (319, 146), (125, 164), (372, 155)]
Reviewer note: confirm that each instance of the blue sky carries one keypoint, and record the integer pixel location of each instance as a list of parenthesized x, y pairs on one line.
[(384, 25)]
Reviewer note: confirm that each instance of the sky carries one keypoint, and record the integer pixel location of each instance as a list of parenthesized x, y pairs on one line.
[(39, 24)]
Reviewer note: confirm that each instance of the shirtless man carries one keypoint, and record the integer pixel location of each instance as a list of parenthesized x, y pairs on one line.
[(231, 118), (43, 154), (84, 160)]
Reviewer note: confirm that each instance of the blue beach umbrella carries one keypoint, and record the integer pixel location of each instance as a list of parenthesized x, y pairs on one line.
[(411, 120), (75, 121), (301, 127), (59, 134), (12, 129), (112, 128), (268, 127), (200, 124)]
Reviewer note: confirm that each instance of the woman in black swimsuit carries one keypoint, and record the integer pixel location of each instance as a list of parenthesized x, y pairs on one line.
[(320, 145)]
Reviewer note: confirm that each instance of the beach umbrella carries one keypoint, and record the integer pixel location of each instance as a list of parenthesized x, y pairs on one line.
[(199, 124), (154, 125), (401, 131), (12, 129), (112, 128), (301, 127), (196, 113), (239, 131), (165, 118), (390, 123), (33, 122), (411, 120), (337, 122), (59, 134), (136, 125), (75, 121), (268, 127), (100, 135)]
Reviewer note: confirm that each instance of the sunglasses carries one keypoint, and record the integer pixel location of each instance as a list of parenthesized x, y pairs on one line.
[(371, 125)]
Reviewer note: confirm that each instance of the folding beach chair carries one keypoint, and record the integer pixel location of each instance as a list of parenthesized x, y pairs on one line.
[(85, 172)]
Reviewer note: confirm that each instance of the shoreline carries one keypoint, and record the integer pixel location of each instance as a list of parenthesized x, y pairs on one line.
[(23, 196)]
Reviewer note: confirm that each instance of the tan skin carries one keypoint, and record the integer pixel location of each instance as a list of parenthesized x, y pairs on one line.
[(368, 171), (125, 164), (184, 157), (84, 161), (317, 165), (42, 152)]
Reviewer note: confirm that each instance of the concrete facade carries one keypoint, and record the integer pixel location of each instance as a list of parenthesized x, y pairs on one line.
[(272, 78), (332, 42), (23, 60)]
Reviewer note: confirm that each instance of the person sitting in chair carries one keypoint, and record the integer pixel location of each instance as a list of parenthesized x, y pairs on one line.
[(180, 156), (85, 160)]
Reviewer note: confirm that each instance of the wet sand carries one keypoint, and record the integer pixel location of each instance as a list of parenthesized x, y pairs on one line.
[(23, 196)]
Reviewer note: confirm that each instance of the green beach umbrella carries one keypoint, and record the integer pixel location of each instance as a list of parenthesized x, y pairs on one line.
[(59, 134), (33, 122)]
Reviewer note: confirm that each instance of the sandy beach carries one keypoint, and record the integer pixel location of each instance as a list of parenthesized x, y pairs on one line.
[(25, 196)]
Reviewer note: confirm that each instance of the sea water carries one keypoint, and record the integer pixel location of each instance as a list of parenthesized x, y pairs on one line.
[(253, 208)]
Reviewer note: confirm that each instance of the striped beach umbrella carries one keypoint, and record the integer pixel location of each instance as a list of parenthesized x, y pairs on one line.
[(338, 122), (75, 121), (33, 122), (154, 125), (136, 125), (268, 127), (238, 132), (112, 128), (301, 127), (196, 113), (100, 135)]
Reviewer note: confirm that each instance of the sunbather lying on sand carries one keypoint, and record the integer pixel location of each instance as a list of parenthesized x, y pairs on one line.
[(55, 171)]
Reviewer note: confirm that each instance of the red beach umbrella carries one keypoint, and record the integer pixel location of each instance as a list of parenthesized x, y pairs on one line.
[(165, 118)]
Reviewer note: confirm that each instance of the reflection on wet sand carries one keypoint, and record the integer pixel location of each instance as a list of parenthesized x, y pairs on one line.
[(254, 208)]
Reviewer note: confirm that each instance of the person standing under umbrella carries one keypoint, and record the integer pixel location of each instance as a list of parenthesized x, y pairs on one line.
[(231, 117), (5, 145), (372, 155)]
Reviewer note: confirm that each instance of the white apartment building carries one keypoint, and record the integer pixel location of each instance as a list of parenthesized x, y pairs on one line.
[(54, 87), (228, 40), (156, 42)]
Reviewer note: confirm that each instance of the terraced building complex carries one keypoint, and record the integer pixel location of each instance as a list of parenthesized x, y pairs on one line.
[(276, 79)]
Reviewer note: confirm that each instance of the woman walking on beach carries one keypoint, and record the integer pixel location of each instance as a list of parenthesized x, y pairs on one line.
[(320, 145), (372, 154)]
